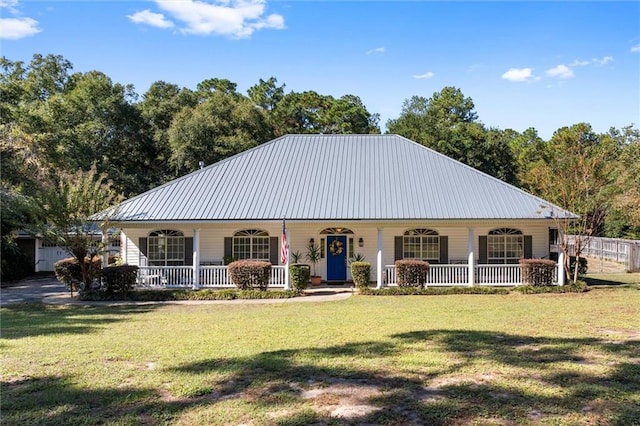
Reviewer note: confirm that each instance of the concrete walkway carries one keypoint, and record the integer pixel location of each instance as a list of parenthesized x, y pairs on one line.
[(49, 290)]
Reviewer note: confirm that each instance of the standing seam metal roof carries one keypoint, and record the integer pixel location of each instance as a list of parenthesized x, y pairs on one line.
[(330, 177)]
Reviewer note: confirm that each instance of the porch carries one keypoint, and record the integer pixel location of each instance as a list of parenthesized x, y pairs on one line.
[(450, 275)]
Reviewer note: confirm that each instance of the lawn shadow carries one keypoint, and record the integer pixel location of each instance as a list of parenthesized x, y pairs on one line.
[(531, 380), (38, 319)]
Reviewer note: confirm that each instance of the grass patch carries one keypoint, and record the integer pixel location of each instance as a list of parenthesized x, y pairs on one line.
[(464, 359), (630, 280), (430, 291)]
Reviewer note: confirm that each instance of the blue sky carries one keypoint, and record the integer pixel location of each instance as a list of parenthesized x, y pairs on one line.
[(525, 64)]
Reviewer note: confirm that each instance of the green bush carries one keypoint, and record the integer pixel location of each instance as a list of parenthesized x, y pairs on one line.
[(411, 273), (299, 274), (250, 274), (578, 287), (361, 274), (583, 265), (118, 280), (68, 272), (208, 294), (537, 272), (431, 291)]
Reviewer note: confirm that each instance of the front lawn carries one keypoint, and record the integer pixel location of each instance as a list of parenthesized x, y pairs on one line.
[(457, 359)]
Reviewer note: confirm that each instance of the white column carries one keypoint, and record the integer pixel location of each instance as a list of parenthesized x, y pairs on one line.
[(196, 259), (287, 279), (379, 265), (105, 248), (561, 268), (471, 262)]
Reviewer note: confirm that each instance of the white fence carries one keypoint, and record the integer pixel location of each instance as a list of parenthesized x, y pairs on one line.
[(625, 252), (208, 277)]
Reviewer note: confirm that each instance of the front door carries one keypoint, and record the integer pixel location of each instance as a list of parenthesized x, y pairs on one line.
[(336, 258)]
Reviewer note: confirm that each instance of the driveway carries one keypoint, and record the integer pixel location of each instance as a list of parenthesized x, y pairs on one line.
[(50, 290), (33, 290)]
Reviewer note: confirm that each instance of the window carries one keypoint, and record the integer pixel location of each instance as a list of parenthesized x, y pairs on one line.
[(423, 244), (166, 248), (251, 244), (505, 245)]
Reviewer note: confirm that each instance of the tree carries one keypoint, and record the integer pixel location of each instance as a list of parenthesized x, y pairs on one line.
[(577, 177), (310, 112), (67, 206), (266, 94), (624, 218), (447, 123), (221, 126)]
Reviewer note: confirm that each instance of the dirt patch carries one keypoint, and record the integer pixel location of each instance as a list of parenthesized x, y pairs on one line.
[(344, 399)]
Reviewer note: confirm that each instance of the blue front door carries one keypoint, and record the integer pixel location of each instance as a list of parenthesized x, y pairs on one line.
[(336, 258)]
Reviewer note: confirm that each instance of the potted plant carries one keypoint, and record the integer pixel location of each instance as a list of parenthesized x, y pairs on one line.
[(313, 255)]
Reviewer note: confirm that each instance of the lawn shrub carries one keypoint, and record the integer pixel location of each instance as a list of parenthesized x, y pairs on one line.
[(577, 287), (118, 280), (411, 273), (431, 291), (250, 274), (583, 265), (361, 273), (300, 275), (68, 271), (208, 294), (537, 272)]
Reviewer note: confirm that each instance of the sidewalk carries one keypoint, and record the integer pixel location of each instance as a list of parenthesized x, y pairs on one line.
[(48, 290)]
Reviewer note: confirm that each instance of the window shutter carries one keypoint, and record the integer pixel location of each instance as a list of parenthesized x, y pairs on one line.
[(528, 246), (188, 251), (482, 250), (142, 246), (228, 248), (273, 250), (444, 250), (398, 248)]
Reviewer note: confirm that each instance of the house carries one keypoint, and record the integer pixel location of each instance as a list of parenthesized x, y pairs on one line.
[(381, 196)]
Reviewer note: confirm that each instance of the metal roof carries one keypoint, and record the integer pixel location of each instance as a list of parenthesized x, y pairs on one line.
[(316, 177)]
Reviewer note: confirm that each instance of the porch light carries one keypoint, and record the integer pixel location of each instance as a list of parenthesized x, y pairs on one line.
[(360, 242)]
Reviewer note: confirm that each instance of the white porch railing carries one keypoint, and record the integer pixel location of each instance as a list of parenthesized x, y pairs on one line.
[(209, 276), (458, 275)]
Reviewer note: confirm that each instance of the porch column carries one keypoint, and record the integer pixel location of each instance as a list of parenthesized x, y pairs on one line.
[(561, 268), (196, 259), (471, 262), (287, 279), (105, 248), (379, 265)]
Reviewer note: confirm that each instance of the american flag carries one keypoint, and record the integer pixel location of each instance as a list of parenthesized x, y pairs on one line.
[(284, 246)]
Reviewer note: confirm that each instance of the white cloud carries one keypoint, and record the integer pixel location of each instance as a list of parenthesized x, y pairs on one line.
[(378, 50), (426, 75), (603, 61), (561, 71), (150, 18), (579, 63), (635, 49), (231, 18), (17, 28), (518, 74)]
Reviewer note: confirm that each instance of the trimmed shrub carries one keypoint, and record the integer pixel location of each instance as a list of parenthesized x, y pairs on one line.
[(431, 291), (537, 272), (411, 273), (207, 294), (577, 287), (583, 265), (118, 280), (250, 274), (361, 274), (68, 271), (300, 275)]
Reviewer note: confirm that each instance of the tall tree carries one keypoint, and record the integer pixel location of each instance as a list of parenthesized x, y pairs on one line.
[(447, 122), (221, 126), (624, 218), (577, 177), (68, 204), (266, 94)]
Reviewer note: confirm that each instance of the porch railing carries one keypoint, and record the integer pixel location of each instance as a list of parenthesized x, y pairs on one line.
[(458, 275), (209, 276)]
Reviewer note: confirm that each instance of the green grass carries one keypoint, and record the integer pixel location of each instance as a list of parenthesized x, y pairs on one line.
[(456, 359), (620, 279)]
